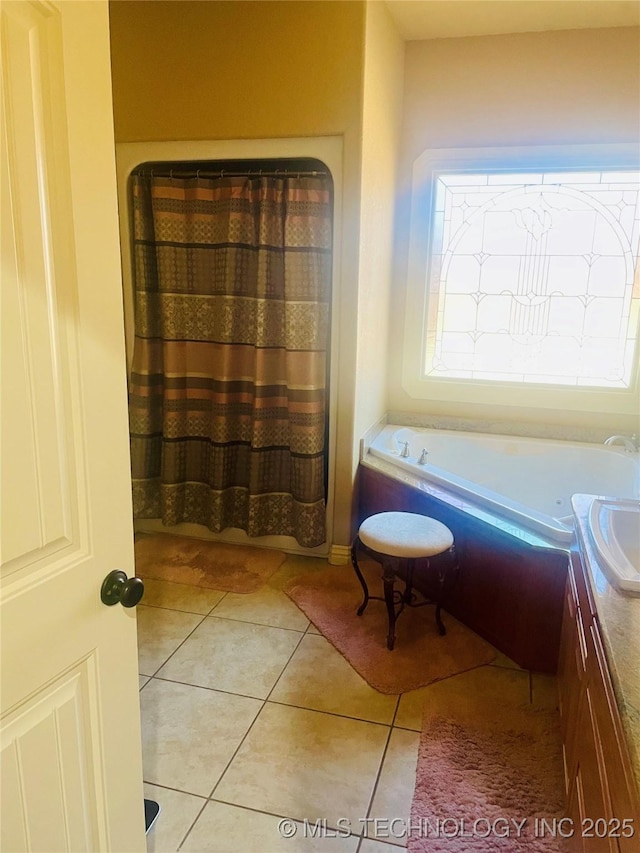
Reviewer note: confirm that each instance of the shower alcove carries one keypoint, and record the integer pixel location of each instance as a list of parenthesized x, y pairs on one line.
[(292, 155)]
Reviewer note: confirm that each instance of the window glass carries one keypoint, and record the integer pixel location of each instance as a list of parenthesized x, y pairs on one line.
[(530, 276)]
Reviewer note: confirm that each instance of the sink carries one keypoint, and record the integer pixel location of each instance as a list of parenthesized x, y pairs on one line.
[(615, 529)]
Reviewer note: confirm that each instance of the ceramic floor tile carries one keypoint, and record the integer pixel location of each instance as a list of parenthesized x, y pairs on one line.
[(222, 828), (487, 694), (394, 793), (544, 691), (305, 764), (410, 709), (180, 596), (295, 565), (236, 657), (142, 680), (177, 812), (160, 632), (502, 660), (266, 607), (189, 734), (370, 846), (485, 691), (318, 677), (313, 630)]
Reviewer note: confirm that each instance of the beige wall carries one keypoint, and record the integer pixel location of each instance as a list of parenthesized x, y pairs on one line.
[(210, 70), (381, 123), (572, 86), (233, 70)]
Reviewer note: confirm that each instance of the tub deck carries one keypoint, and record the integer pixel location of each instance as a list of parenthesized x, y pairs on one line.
[(528, 481)]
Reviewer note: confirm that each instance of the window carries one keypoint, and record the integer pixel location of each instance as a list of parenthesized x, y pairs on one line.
[(525, 263)]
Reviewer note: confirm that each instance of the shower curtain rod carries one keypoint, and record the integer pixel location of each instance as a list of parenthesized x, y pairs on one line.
[(223, 173)]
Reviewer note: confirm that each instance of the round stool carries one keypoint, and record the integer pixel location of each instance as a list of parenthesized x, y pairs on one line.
[(396, 540)]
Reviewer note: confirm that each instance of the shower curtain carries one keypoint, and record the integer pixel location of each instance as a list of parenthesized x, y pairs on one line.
[(228, 391)]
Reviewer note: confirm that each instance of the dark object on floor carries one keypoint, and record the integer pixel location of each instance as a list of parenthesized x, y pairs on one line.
[(151, 812)]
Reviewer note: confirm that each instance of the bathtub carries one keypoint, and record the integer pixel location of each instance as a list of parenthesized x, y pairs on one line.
[(526, 480)]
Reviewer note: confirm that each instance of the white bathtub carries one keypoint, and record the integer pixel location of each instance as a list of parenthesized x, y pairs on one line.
[(527, 480)]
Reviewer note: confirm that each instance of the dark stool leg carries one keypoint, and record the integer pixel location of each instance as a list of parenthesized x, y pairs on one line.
[(442, 577), (363, 583), (388, 577), (408, 589)]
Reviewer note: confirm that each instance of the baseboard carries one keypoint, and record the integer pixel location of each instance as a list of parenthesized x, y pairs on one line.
[(339, 555)]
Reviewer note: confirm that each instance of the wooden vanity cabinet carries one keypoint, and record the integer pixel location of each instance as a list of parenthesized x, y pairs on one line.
[(600, 787)]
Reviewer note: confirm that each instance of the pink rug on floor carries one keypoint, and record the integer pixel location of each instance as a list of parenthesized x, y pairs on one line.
[(330, 599), (475, 784), (197, 562)]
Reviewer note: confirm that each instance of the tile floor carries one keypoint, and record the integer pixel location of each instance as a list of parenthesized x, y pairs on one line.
[(250, 716)]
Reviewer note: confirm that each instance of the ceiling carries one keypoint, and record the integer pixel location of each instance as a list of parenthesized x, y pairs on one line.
[(430, 19)]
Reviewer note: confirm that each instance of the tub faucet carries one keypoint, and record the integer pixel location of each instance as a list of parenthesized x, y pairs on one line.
[(405, 450), (630, 443), (423, 457)]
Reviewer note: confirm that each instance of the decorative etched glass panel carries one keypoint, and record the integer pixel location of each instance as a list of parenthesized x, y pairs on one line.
[(533, 277)]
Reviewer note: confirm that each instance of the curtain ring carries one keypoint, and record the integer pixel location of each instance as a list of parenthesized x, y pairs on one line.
[(222, 173), (171, 175), (197, 174)]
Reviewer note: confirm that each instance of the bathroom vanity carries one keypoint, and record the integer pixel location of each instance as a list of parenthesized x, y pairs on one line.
[(599, 693)]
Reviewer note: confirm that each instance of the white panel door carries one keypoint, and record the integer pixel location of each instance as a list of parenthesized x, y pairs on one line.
[(71, 769)]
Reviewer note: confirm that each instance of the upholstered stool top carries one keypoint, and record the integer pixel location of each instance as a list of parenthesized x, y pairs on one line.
[(405, 534)]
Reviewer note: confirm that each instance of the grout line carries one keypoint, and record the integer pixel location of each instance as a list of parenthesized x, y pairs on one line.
[(299, 820), (177, 790), (201, 622), (226, 593), (395, 712), (259, 624), (264, 702), (377, 782), (182, 642), (175, 609), (196, 819), (275, 684), (206, 687), (393, 727), (237, 749), (328, 713)]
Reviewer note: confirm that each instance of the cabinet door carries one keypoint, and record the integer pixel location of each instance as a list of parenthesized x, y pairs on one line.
[(571, 678), (620, 782), (589, 802)]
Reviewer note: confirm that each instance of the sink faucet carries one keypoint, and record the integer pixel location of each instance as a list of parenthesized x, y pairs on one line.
[(629, 443)]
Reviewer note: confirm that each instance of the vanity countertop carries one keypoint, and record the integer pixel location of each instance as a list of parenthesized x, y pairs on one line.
[(619, 620)]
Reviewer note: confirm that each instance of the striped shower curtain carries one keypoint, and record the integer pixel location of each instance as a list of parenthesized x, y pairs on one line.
[(228, 391)]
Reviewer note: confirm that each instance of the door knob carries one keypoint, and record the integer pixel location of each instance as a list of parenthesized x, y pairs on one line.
[(116, 587)]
